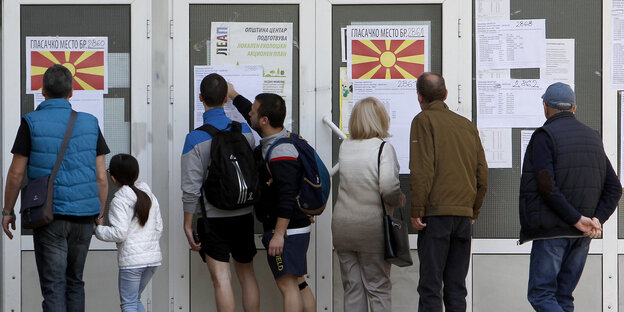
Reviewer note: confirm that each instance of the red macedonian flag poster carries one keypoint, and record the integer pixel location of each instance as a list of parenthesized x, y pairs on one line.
[(84, 57), (87, 67), (387, 59)]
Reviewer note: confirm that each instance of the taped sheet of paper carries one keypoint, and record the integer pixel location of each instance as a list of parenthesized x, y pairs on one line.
[(346, 100), (492, 10), (617, 44), (514, 103), (91, 102), (266, 44), (559, 62), (511, 44), (525, 137), (401, 101), (247, 80), (497, 146)]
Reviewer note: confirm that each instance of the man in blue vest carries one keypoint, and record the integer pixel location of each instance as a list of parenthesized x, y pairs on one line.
[(568, 190), (80, 189)]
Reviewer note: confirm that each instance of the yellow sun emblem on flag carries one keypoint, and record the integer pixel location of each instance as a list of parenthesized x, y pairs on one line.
[(86, 67), (387, 59)]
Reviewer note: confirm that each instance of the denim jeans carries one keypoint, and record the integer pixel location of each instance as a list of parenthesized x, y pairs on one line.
[(555, 269), (132, 282), (444, 254), (61, 252)]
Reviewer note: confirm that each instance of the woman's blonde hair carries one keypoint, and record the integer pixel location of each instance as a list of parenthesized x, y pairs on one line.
[(369, 119)]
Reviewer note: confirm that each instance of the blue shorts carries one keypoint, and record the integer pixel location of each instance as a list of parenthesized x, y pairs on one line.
[(293, 258)]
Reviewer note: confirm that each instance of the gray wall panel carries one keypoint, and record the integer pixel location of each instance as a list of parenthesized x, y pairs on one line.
[(404, 283), (621, 282), (500, 284), (100, 277), (202, 290)]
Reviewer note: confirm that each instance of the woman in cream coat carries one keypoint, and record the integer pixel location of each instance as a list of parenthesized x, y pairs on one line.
[(357, 224)]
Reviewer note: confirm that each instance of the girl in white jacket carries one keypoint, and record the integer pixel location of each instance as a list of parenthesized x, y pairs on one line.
[(136, 226)]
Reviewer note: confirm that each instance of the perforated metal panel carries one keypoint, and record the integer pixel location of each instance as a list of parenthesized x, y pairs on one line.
[(499, 214)]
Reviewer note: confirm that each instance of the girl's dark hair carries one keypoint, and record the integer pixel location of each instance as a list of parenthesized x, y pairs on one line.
[(125, 169)]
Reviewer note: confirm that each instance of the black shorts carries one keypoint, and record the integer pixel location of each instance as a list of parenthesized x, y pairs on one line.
[(225, 236), (293, 258)]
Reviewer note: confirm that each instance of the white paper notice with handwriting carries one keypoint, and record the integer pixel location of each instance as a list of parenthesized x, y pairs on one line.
[(511, 44), (510, 103), (401, 101)]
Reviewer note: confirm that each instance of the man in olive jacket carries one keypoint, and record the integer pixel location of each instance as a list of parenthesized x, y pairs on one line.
[(448, 184)]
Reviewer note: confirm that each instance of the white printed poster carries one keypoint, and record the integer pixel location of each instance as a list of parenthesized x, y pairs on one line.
[(511, 44), (559, 62), (497, 146), (617, 44), (265, 44), (85, 57), (387, 51), (247, 80), (510, 103), (401, 101), (91, 102), (525, 138)]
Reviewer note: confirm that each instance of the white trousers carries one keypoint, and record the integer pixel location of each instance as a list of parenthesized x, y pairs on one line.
[(365, 279)]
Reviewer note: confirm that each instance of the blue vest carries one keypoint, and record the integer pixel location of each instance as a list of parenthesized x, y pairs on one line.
[(75, 186), (580, 168)]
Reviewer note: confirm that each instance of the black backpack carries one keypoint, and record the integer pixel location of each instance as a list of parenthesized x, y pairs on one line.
[(233, 180)]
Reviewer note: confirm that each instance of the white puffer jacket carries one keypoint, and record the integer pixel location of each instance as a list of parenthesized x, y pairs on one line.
[(137, 245)]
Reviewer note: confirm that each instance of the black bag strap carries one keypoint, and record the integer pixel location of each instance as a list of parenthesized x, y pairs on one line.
[(212, 130), (61, 154), (383, 206)]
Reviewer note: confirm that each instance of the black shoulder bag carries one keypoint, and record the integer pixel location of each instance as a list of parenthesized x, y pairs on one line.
[(38, 194), (396, 237)]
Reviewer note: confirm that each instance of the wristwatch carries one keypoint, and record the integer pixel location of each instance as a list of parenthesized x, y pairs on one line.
[(10, 213)]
